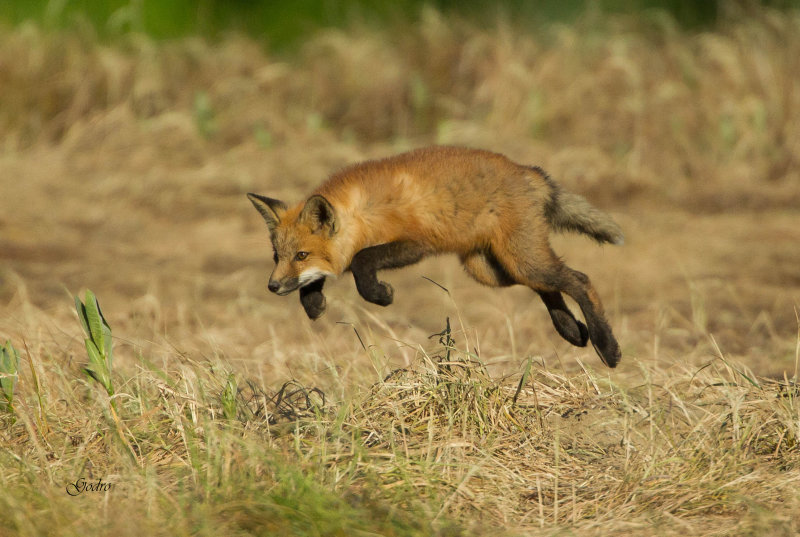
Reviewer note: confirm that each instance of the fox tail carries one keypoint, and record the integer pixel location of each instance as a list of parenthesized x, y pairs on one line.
[(571, 212)]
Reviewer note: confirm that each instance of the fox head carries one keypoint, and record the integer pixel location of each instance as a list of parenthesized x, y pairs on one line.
[(301, 239)]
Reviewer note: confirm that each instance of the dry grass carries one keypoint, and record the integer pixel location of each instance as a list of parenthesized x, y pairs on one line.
[(123, 170), (711, 450)]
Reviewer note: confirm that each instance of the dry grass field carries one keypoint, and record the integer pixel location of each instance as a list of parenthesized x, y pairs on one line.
[(124, 168)]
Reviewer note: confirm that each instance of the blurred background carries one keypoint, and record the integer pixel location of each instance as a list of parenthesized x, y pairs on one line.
[(131, 130), (282, 24)]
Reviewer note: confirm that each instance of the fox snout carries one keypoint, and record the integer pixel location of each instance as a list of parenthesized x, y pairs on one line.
[(283, 286), (281, 289)]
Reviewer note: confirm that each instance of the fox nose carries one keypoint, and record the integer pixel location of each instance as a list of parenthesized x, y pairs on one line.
[(273, 286)]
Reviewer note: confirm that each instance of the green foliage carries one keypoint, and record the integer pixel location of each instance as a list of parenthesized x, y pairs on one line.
[(263, 136), (287, 24), (295, 502), (279, 23), (9, 367), (229, 397), (98, 340), (204, 115)]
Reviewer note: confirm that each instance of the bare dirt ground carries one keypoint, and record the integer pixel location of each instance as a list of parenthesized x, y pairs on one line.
[(166, 237)]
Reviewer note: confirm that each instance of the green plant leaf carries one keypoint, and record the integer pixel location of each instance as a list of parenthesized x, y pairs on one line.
[(94, 320), (95, 359), (9, 366), (81, 309), (106, 338), (229, 397), (9, 362), (97, 367), (98, 341)]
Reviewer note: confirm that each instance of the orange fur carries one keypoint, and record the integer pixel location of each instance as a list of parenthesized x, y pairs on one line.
[(496, 215)]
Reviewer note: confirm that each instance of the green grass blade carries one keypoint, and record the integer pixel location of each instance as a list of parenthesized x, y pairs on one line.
[(524, 379), (94, 320), (229, 397), (81, 309)]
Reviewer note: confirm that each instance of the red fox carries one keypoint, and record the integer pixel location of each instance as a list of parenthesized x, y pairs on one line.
[(494, 214)]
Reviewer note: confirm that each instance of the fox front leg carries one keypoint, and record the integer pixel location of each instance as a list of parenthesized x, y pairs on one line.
[(312, 299), (368, 261)]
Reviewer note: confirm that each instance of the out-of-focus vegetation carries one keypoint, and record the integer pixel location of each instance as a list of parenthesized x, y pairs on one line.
[(285, 24), (643, 100)]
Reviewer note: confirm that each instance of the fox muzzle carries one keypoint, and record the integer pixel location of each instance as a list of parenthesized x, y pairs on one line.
[(284, 286)]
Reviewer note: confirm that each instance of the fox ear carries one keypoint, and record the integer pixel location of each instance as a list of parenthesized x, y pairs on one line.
[(270, 209), (318, 213)]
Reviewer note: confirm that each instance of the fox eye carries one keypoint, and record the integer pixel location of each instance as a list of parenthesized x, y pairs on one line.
[(301, 256)]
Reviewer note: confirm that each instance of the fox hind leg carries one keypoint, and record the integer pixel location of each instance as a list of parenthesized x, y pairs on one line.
[(368, 261), (577, 285), (564, 321), (484, 267), (541, 270)]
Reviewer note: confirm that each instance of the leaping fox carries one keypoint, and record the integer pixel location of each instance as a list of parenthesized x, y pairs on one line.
[(494, 214)]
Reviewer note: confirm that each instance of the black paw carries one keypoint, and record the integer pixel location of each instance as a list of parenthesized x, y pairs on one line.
[(606, 346), (314, 303), (381, 294), (570, 328)]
